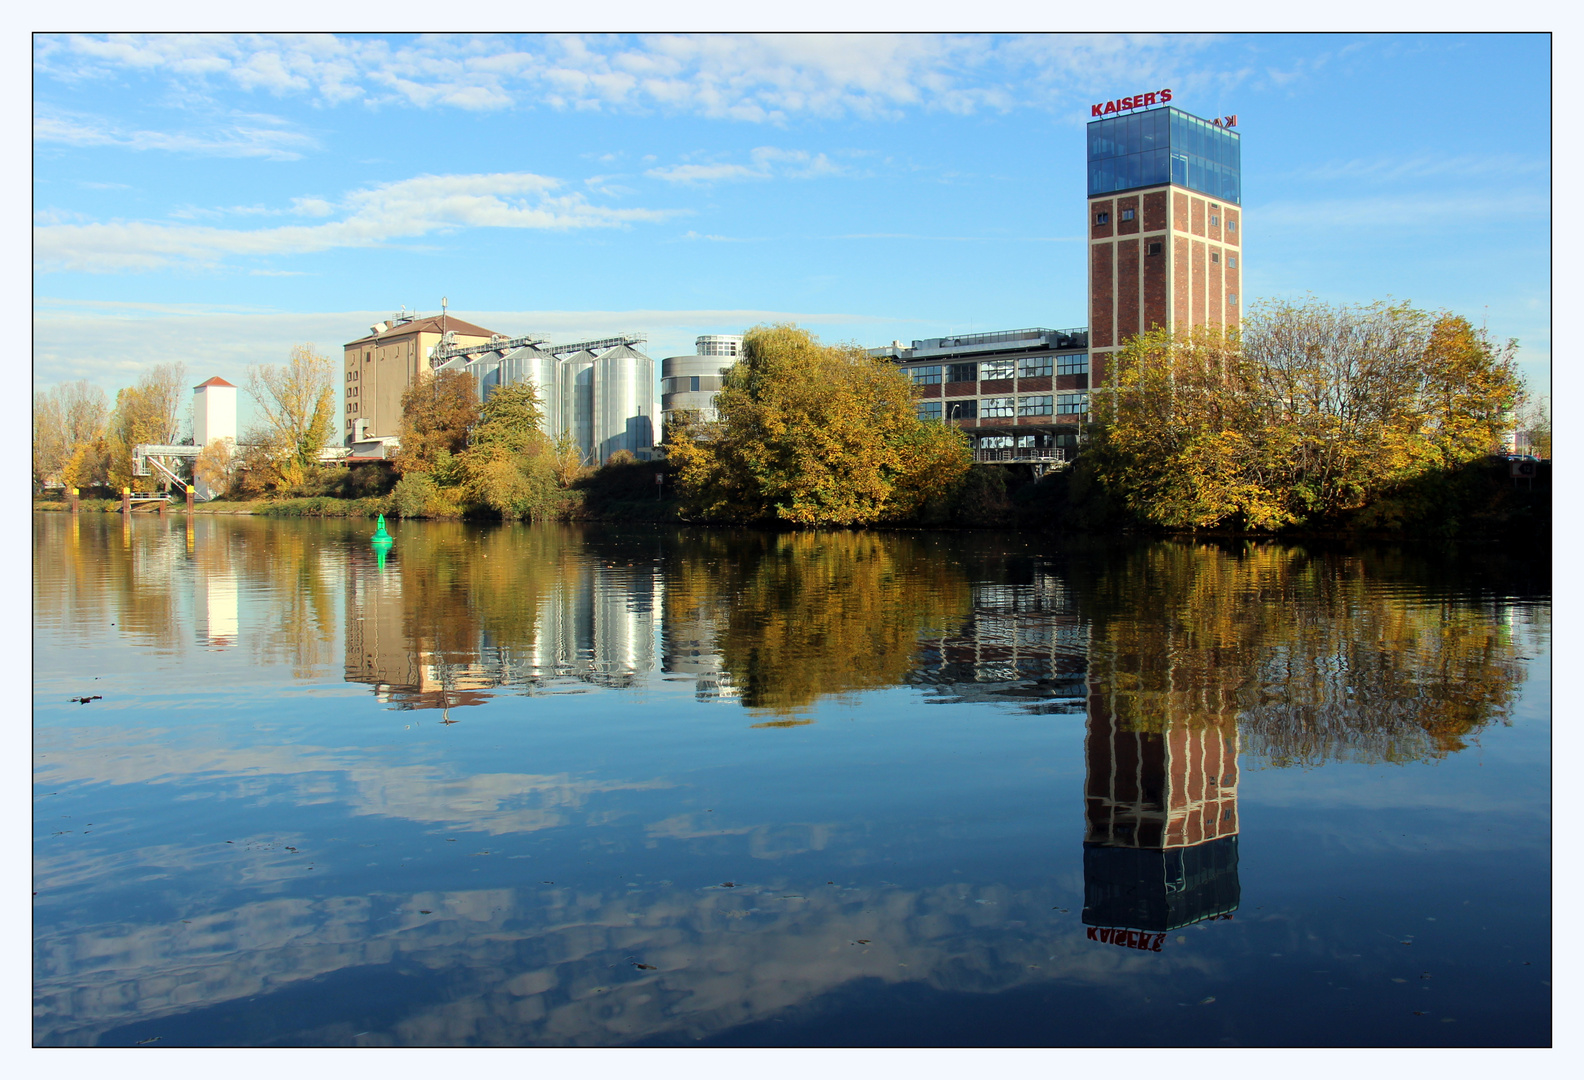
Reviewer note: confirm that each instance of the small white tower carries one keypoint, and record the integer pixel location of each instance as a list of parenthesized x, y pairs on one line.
[(214, 417), (214, 411)]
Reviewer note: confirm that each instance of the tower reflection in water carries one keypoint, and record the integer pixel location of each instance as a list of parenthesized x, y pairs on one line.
[(1160, 848)]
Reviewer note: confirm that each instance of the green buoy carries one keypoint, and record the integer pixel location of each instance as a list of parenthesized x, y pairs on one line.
[(382, 542)]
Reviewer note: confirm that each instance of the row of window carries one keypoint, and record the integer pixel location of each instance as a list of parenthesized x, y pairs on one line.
[(990, 408), (1026, 367), (1103, 217), (1154, 248), (689, 384)]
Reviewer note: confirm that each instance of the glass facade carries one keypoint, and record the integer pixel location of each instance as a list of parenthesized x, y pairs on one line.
[(1165, 146)]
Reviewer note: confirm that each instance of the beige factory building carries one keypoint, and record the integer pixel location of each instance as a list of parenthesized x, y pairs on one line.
[(394, 355)]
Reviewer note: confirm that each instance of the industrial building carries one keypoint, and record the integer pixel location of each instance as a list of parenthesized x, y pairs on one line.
[(1019, 395), (602, 391), (379, 367), (688, 384), (1165, 231), (1165, 226)]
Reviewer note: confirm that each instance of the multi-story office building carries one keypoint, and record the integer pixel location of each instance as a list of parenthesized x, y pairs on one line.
[(1165, 227), (1020, 395), (689, 383)]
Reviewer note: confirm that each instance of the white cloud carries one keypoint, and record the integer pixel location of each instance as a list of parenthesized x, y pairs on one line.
[(756, 78), (767, 161), (706, 174), (370, 217), (254, 137)]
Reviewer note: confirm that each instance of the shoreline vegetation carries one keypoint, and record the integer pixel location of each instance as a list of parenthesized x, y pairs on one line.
[(1310, 421)]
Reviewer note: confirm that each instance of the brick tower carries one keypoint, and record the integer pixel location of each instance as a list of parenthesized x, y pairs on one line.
[(1165, 224)]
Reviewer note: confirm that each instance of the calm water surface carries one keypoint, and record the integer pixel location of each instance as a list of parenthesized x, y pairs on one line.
[(552, 786)]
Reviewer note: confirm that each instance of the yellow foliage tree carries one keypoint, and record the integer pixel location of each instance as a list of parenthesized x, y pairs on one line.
[(1309, 411), (814, 434), (297, 401)]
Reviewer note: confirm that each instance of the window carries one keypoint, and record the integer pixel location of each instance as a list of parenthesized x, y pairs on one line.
[(1231, 226), (1231, 262), (693, 384), (1068, 404), (929, 410), (962, 410), (1154, 248), (928, 375), (1215, 219), (997, 406), (1127, 215), (996, 369), (1103, 218), (995, 442), (962, 372), (1073, 364), (1034, 367), (1034, 405), (1215, 256), (1232, 298)]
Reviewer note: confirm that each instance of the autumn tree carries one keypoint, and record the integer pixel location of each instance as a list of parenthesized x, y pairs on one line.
[(1309, 412), (68, 426), (297, 402), (215, 466), (437, 414), (509, 466), (149, 411), (814, 434)]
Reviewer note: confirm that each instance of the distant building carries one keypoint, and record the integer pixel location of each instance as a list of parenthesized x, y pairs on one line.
[(690, 383), (1019, 395), (379, 367)]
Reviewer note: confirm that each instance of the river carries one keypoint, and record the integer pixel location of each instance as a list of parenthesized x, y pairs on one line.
[(561, 786)]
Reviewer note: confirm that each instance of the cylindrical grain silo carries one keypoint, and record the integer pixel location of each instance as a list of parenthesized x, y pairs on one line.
[(623, 401)]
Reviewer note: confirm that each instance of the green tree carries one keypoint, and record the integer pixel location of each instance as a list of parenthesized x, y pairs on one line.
[(297, 401), (436, 416), (510, 466), (814, 434)]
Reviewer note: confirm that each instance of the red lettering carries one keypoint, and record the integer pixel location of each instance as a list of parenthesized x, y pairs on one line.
[(1165, 96), (1096, 110), (1091, 933), (1232, 120), (1127, 103), (1131, 940), (1159, 938), (1110, 107), (1149, 99)]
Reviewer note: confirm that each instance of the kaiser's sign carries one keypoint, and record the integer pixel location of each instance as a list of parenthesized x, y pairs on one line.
[(1137, 101)]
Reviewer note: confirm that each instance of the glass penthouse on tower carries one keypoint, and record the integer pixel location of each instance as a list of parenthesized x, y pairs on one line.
[(1019, 395), (1165, 226)]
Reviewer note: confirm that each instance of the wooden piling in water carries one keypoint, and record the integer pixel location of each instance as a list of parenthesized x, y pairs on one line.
[(71, 499), (126, 502), (189, 499)]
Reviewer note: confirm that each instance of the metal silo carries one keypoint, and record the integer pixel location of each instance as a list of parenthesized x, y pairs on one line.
[(577, 401), (623, 401), (542, 369)]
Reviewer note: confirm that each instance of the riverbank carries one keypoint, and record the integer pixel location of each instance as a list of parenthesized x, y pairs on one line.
[(1482, 502)]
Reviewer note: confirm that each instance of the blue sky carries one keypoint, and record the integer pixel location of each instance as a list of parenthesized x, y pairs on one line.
[(217, 199)]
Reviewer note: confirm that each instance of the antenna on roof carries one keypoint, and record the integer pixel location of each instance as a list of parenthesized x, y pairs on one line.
[(442, 317)]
